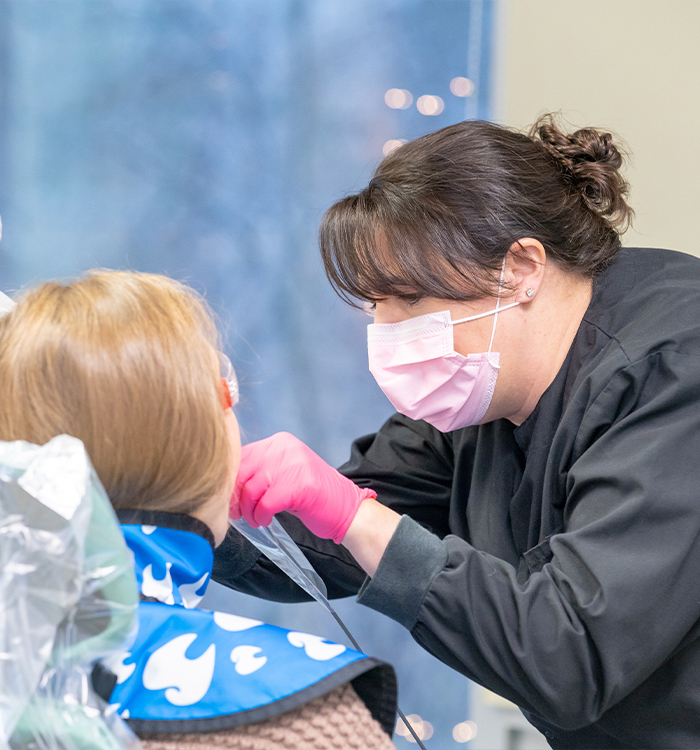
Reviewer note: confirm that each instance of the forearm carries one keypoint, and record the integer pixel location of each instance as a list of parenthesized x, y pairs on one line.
[(370, 533)]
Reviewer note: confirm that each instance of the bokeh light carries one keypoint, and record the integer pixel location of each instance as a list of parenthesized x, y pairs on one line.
[(464, 731), (423, 729), (430, 105), (390, 146), (398, 98), (461, 86)]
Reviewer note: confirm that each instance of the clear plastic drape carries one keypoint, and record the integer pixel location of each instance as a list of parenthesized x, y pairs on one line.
[(68, 597)]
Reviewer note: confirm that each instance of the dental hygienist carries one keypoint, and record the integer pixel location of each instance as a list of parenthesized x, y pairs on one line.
[(532, 512)]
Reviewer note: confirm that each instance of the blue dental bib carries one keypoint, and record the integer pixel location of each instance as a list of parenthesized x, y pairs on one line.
[(194, 670)]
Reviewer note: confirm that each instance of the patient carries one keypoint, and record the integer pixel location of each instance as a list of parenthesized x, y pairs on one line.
[(129, 364)]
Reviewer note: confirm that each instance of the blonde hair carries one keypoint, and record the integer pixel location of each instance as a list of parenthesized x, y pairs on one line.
[(125, 362)]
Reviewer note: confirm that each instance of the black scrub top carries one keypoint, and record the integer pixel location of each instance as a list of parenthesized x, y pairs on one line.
[(556, 563)]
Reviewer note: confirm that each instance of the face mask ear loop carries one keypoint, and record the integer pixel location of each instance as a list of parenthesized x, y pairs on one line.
[(495, 317)]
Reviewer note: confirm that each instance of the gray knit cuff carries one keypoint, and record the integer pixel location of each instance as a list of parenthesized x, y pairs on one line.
[(412, 559)]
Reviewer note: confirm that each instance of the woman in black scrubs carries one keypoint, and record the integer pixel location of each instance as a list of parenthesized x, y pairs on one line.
[(532, 512)]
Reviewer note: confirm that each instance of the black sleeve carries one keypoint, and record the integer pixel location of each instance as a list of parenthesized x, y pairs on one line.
[(619, 592), (408, 464), (239, 565)]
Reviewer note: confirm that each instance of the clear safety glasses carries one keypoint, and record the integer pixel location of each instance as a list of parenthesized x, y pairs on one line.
[(228, 388)]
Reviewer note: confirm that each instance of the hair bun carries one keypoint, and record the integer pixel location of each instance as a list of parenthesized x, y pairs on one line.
[(590, 162)]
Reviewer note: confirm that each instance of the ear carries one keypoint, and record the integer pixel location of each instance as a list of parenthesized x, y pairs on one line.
[(525, 264)]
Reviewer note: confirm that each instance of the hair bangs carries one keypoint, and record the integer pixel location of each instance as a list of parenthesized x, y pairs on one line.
[(353, 249), (369, 256)]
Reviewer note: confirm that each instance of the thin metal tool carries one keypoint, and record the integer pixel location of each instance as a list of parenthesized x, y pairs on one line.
[(356, 645), (276, 544)]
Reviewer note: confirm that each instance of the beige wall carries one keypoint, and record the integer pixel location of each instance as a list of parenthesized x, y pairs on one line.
[(629, 65)]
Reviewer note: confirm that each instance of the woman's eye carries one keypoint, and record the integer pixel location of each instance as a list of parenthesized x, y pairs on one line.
[(370, 308)]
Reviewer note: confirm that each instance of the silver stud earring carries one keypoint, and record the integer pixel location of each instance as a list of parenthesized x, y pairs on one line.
[(529, 292)]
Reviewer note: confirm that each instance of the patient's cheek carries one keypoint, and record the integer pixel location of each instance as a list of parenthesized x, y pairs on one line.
[(234, 440)]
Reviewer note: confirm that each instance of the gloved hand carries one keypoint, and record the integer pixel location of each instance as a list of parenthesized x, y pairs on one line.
[(282, 473)]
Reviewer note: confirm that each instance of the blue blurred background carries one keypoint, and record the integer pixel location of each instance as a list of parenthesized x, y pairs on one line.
[(203, 139)]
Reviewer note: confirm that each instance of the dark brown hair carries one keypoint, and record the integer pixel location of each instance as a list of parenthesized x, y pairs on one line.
[(441, 212)]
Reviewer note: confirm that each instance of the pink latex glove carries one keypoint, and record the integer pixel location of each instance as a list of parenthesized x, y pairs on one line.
[(282, 473)]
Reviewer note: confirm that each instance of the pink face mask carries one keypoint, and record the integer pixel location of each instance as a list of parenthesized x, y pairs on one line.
[(415, 364)]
